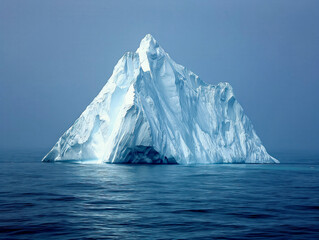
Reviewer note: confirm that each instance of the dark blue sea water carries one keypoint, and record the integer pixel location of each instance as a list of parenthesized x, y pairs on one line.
[(73, 201)]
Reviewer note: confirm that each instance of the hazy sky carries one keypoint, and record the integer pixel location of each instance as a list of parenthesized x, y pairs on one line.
[(55, 56)]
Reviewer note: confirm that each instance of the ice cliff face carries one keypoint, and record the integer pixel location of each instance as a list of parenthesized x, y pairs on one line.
[(153, 110)]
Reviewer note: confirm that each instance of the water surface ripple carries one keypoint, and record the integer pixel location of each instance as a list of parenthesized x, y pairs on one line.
[(73, 201)]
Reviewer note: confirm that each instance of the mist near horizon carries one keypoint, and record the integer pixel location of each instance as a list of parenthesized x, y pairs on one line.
[(56, 56)]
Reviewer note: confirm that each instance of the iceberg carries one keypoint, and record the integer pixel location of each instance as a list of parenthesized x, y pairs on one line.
[(153, 110)]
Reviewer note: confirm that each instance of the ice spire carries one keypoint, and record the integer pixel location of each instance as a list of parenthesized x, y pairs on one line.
[(148, 51), (148, 43)]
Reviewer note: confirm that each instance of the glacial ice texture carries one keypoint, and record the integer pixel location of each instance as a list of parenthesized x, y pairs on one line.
[(153, 110)]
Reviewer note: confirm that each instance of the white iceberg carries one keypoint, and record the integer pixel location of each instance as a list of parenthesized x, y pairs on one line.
[(153, 110)]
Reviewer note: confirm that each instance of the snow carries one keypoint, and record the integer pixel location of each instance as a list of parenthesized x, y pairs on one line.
[(153, 110)]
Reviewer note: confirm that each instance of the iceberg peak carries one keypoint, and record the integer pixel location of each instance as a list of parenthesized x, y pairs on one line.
[(148, 42), (149, 52)]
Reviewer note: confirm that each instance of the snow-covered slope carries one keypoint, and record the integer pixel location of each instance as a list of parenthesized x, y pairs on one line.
[(153, 110)]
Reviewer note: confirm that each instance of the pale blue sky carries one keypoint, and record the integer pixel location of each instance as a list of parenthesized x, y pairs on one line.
[(55, 56)]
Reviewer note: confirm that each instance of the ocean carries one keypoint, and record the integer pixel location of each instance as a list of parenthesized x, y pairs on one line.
[(224, 201)]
